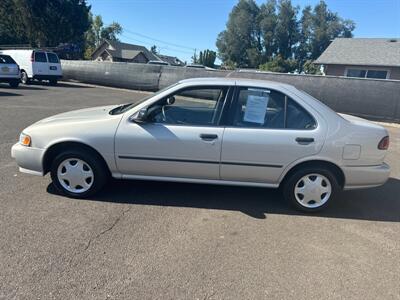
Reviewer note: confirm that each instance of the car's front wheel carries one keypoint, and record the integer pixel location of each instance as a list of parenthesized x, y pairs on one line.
[(14, 83), (78, 174), (311, 189)]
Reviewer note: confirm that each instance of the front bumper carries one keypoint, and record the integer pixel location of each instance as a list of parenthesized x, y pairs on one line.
[(29, 159), (359, 177)]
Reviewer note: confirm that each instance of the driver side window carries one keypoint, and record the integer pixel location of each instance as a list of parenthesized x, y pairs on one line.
[(199, 106)]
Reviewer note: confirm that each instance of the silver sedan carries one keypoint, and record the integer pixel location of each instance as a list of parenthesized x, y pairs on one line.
[(214, 131)]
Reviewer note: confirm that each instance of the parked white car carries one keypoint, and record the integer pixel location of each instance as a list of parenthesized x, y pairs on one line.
[(37, 65), (9, 71), (212, 130)]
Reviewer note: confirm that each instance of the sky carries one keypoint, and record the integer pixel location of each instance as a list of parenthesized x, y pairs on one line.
[(178, 27)]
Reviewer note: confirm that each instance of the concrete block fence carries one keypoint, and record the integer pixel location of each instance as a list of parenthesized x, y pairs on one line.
[(370, 98)]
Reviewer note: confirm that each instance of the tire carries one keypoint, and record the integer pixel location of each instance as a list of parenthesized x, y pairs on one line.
[(24, 78), (14, 84), (304, 185), (71, 170), (53, 82)]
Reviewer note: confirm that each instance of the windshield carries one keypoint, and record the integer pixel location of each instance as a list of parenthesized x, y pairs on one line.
[(125, 107)]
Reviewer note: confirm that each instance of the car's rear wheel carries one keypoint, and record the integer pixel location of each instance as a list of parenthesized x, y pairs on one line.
[(24, 78), (14, 84), (53, 82), (78, 174), (311, 189)]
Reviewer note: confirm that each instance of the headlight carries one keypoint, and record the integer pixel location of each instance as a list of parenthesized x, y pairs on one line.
[(25, 140)]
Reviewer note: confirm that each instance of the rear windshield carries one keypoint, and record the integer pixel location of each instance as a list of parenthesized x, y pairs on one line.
[(5, 59), (40, 57), (52, 57)]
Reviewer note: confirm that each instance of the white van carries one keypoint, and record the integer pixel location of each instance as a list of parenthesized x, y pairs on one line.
[(36, 65)]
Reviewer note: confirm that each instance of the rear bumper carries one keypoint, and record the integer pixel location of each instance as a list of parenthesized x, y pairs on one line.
[(47, 77), (10, 78), (365, 176), (29, 159)]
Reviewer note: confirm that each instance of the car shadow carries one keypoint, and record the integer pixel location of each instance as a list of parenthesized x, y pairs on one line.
[(75, 85), (377, 204), (2, 94), (31, 87), (64, 84)]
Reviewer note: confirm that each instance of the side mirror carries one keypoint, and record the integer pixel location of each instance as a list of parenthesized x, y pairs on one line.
[(140, 116), (170, 100)]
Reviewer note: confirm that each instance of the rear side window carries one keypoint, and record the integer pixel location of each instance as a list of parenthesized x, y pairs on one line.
[(40, 57), (297, 117), (52, 57), (5, 59), (259, 108), (264, 108)]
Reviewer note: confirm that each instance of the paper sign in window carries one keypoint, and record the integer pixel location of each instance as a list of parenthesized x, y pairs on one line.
[(256, 108)]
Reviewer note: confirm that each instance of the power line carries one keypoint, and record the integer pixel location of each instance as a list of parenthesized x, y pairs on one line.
[(157, 40), (151, 44), (157, 44)]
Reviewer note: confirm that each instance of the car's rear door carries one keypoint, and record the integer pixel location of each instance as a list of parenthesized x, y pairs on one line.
[(39, 64), (8, 67), (54, 65), (182, 140), (266, 131)]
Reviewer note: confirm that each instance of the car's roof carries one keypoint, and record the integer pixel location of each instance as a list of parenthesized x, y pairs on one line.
[(238, 81)]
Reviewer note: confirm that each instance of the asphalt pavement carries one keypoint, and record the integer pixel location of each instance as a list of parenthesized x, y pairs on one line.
[(153, 240)]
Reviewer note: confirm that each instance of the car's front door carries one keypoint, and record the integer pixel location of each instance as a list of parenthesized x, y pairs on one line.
[(266, 132), (180, 137)]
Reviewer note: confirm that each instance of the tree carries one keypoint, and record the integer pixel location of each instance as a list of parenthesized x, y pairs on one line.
[(154, 50), (97, 32), (268, 19), (327, 26), (195, 59), (304, 49), (52, 22), (11, 28), (207, 58), (286, 29), (280, 65), (111, 31), (272, 37), (309, 68), (241, 41)]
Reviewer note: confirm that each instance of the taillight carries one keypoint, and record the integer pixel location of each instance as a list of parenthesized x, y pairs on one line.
[(384, 143), (32, 57)]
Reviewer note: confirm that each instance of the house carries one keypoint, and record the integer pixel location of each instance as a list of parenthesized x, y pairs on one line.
[(171, 60), (362, 57), (122, 52)]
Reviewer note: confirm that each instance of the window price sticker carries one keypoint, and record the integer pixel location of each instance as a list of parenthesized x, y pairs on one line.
[(256, 108)]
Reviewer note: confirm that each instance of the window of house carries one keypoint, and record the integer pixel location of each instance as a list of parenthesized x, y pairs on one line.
[(264, 108), (367, 73), (199, 106), (356, 73), (377, 74)]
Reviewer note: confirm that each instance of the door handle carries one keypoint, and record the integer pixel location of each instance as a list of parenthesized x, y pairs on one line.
[(304, 140), (208, 137)]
